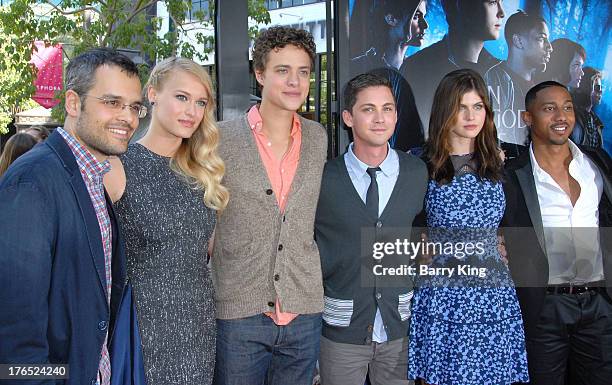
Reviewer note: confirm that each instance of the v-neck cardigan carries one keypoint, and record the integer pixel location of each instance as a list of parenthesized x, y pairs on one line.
[(346, 233), (261, 254)]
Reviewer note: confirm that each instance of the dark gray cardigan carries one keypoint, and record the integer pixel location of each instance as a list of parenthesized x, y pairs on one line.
[(345, 234)]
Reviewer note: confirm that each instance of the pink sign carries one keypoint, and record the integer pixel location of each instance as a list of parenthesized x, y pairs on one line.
[(48, 61)]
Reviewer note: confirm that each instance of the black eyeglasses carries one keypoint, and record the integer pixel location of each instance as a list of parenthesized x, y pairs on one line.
[(115, 104)]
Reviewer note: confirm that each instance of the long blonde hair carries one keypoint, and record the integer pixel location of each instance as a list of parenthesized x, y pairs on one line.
[(197, 159)]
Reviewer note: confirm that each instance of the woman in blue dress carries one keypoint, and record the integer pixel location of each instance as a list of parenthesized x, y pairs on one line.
[(466, 322)]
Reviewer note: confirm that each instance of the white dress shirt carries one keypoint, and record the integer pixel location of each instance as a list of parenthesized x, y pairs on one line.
[(571, 232)]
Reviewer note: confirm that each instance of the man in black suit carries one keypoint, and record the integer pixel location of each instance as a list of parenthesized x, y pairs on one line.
[(558, 218)]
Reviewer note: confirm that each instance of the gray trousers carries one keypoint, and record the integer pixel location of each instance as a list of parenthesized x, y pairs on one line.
[(348, 364)]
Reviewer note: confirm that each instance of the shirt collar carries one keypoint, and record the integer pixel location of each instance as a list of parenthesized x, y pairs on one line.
[(537, 170), (86, 162), (389, 166), (256, 121), (576, 153)]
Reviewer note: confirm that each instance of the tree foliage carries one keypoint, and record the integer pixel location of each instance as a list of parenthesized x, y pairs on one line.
[(84, 24)]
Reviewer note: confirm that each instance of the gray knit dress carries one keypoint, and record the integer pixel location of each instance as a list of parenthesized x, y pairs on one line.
[(167, 228)]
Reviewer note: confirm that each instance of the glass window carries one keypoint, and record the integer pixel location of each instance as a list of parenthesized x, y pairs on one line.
[(273, 4), (276, 4), (196, 7)]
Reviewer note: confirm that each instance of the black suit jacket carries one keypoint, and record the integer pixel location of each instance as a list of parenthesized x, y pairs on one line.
[(53, 302), (524, 232)]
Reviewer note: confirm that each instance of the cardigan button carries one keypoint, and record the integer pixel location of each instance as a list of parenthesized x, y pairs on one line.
[(276, 277), (370, 328), (269, 191), (280, 247), (271, 304), (379, 224)]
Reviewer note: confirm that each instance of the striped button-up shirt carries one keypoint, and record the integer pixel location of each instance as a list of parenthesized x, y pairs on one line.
[(93, 172)]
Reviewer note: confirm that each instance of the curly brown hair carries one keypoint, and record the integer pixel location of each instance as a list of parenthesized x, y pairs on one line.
[(278, 37)]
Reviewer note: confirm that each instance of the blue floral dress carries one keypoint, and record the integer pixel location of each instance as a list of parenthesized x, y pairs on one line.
[(466, 328)]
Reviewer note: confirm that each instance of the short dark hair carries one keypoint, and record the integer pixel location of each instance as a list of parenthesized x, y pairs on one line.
[(532, 93), (589, 72), (519, 23), (361, 82), (452, 10), (80, 70), (375, 32), (582, 95), (560, 58), (279, 37), (586, 83)]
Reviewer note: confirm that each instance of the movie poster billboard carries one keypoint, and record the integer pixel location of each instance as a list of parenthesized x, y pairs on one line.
[(513, 44)]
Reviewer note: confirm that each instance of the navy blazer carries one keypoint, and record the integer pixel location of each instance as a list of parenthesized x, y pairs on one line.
[(524, 233), (53, 306)]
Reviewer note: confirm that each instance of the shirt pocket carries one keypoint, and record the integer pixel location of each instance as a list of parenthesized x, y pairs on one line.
[(337, 312), (403, 305)]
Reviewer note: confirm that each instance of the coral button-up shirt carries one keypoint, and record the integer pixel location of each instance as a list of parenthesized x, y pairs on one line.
[(280, 173)]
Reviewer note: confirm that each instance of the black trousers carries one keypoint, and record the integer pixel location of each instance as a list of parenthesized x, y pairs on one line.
[(573, 342)]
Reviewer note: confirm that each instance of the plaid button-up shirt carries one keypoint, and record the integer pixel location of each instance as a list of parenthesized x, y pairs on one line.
[(93, 172)]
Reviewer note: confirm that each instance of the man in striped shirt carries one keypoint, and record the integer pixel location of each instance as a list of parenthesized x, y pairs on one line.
[(62, 264)]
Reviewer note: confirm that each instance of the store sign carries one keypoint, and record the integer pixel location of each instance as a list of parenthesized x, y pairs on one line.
[(48, 62)]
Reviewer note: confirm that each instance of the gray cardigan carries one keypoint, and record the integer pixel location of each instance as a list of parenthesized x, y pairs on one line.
[(346, 232), (261, 254)]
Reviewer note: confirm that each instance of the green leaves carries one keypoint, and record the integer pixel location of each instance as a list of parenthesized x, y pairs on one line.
[(85, 24)]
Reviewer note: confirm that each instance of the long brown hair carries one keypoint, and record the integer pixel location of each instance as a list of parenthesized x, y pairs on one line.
[(16, 146), (444, 112)]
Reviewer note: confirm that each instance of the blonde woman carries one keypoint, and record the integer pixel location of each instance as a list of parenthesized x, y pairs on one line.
[(167, 192)]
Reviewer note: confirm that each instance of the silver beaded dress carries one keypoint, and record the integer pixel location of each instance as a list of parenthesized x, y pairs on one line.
[(167, 228)]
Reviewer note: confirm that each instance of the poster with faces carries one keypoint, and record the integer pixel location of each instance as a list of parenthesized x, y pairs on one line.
[(512, 44)]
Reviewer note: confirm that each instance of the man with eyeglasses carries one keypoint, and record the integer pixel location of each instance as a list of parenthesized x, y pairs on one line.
[(62, 263)]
